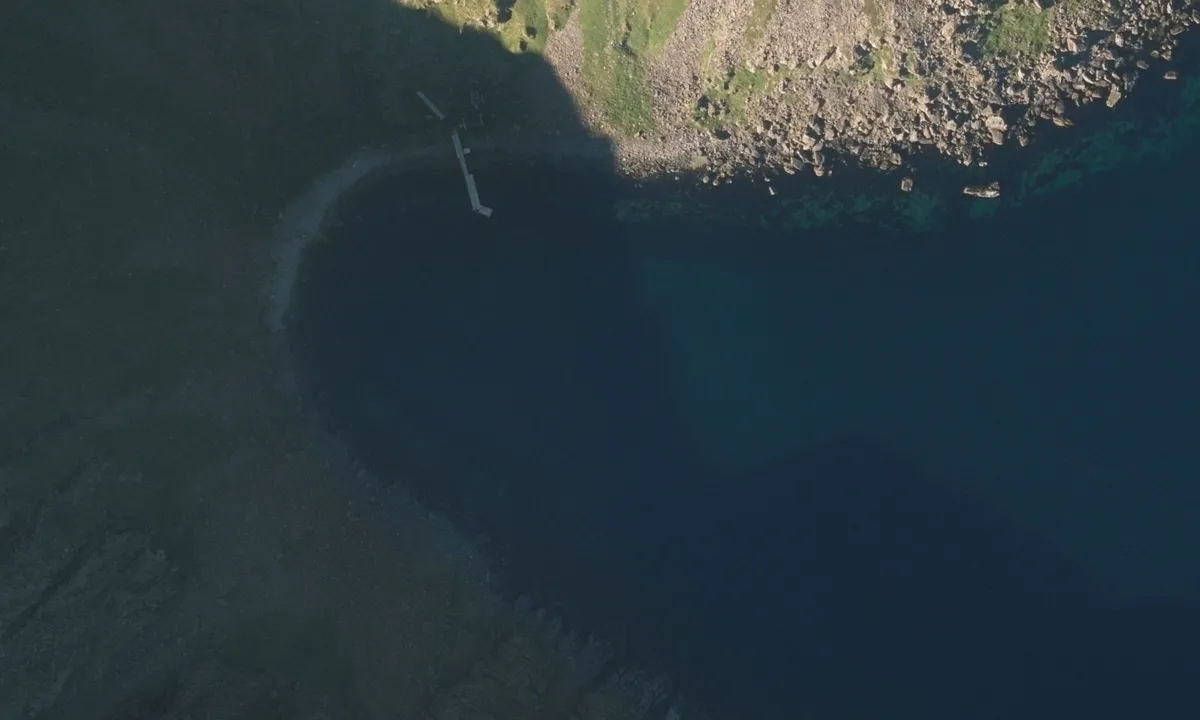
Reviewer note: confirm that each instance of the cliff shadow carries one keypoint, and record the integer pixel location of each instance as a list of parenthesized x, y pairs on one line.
[(256, 97), (504, 365), (841, 581), (505, 371), (501, 368)]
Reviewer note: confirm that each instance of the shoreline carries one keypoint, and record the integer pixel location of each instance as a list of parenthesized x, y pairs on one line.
[(308, 216), (376, 503), (302, 222), (924, 86), (299, 224), (304, 219)]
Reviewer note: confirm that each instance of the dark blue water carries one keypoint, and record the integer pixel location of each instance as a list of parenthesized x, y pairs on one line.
[(951, 478)]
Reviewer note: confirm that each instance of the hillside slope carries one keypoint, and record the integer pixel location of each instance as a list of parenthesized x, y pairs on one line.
[(782, 84)]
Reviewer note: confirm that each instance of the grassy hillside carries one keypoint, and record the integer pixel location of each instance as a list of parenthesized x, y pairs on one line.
[(620, 38), (744, 80)]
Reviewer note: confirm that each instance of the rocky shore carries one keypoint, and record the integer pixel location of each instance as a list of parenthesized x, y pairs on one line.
[(877, 82)]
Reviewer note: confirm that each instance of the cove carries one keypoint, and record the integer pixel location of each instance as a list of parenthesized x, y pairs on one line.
[(948, 477)]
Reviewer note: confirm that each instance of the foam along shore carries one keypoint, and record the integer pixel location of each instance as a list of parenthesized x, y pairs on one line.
[(302, 221)]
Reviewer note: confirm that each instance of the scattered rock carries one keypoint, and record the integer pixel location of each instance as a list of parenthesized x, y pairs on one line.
[(940, 89), (906, 185), (989, 191)]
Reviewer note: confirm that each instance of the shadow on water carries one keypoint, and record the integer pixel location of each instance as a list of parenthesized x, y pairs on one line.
[(503, 363), (508, 371), (841, 582)]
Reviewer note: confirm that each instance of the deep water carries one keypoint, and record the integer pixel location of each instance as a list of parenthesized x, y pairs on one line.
[(953, 476)]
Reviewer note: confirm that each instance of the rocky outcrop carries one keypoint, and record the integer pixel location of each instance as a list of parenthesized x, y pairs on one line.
[(962, 104), (881, 80), (986, 192)]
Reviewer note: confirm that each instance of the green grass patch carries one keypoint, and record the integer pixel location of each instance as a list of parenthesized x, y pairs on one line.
[(528, 28), (744, 85), (706, 58), (615, 72), (630, 106), (730, 91), (726, 102), (648, 23), (1017, 32), (756, 24), (521, 26), (907, 71), (620, 38), (880, 65), (459, 13), (559, 12)]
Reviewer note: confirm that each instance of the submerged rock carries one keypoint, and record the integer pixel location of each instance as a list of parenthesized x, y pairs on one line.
[(989, 191)]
